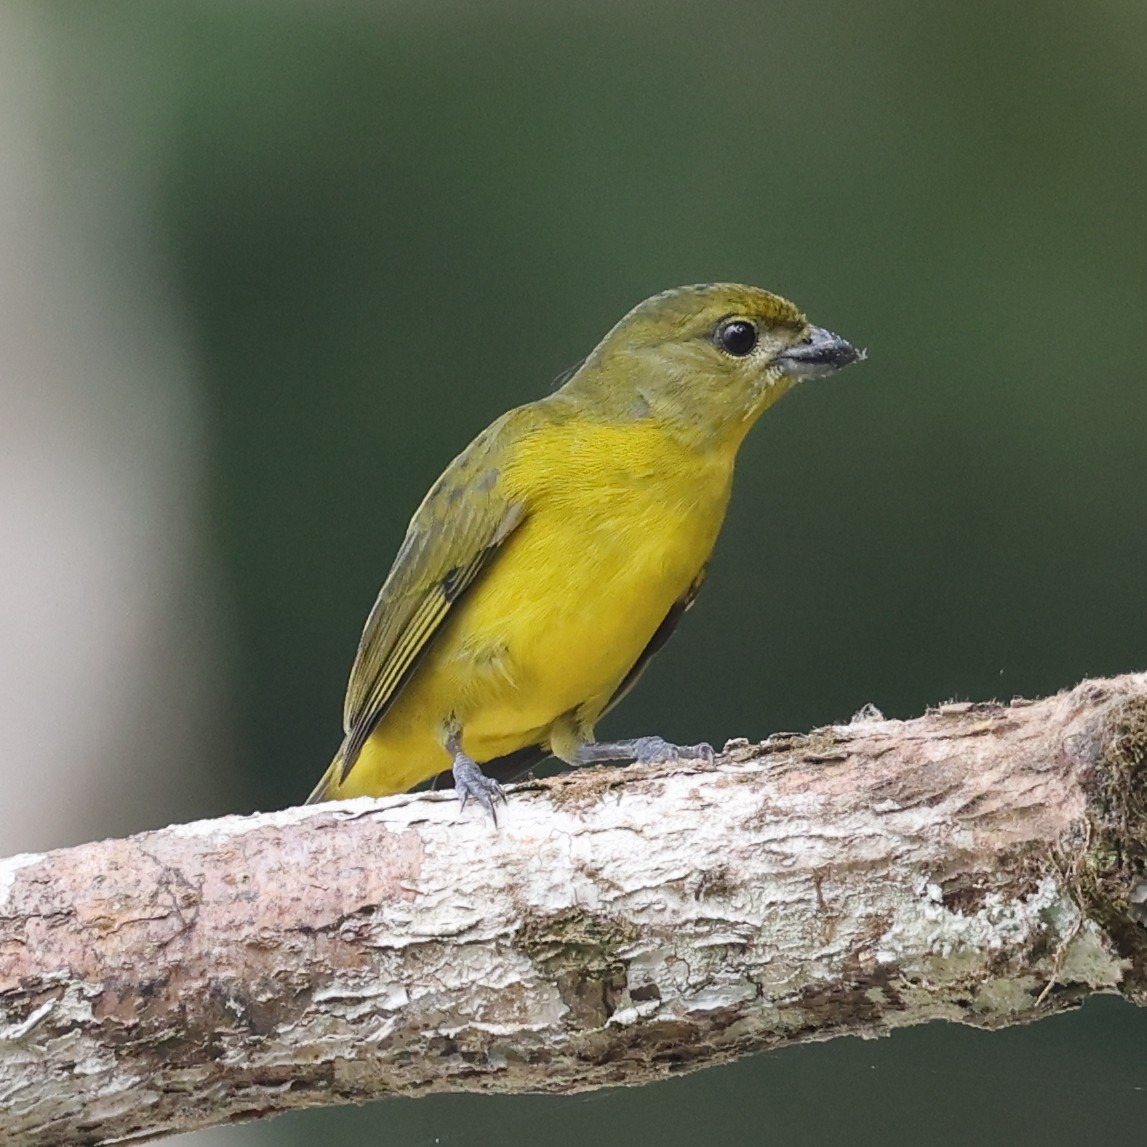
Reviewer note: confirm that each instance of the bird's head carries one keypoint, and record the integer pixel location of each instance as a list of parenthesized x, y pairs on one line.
[(707, 360)]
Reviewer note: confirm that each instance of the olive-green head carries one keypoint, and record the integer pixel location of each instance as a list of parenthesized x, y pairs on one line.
[(706, 360)]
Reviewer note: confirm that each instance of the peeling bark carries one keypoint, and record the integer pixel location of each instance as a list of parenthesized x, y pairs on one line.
[(982, 864)]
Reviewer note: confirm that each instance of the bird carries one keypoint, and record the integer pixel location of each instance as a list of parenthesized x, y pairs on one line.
[(558, 551)]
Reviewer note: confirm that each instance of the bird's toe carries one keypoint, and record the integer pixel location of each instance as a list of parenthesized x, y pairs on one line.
[(470, 781)]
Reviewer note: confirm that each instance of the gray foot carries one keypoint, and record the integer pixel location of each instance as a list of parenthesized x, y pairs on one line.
[(644, 750), (470, 781)]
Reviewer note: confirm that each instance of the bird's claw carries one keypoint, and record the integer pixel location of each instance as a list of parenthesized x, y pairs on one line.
[(703, 752), (656, 750), (470, 781)]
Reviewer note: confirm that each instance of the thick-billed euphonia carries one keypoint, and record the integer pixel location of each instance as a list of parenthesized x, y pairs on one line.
[(557, 552)]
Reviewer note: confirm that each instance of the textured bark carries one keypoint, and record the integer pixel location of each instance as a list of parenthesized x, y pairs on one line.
[(981, 864)]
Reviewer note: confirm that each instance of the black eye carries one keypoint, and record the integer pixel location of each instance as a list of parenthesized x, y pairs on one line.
[(737, 337)]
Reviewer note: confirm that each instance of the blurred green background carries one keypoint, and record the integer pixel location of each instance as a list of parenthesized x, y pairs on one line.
[(269, 266)]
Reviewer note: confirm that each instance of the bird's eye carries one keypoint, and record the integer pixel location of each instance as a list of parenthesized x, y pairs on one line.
[(737, 337)]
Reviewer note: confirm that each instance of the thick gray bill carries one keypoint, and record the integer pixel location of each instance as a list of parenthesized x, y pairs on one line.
[(822, 352)]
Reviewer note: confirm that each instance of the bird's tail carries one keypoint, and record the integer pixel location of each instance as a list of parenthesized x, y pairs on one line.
[(324, 790)]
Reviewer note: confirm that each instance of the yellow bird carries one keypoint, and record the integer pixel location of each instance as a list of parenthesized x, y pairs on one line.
[(558, 551)]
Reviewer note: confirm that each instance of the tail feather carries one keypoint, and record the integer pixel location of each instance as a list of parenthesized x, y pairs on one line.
[(323, 791)]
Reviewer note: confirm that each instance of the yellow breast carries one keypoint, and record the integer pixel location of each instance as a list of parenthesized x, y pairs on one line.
[(619, 522)]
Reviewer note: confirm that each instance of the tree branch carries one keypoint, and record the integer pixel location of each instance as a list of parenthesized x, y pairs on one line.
[(982, 863)]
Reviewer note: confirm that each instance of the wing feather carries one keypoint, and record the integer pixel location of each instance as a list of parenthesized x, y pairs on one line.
[(452, 539)]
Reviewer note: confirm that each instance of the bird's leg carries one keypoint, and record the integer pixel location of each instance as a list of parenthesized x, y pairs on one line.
[(469, 780), (644, 750)]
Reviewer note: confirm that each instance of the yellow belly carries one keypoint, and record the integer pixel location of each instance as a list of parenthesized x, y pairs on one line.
[(562, 615)]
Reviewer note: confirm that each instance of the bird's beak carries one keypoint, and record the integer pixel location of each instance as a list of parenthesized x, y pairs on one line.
[(820, 352)]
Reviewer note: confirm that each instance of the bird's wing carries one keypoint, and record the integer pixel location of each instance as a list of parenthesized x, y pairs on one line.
[(451, 540)]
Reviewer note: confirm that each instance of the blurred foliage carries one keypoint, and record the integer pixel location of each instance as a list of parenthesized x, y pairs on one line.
[(389, 222)]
